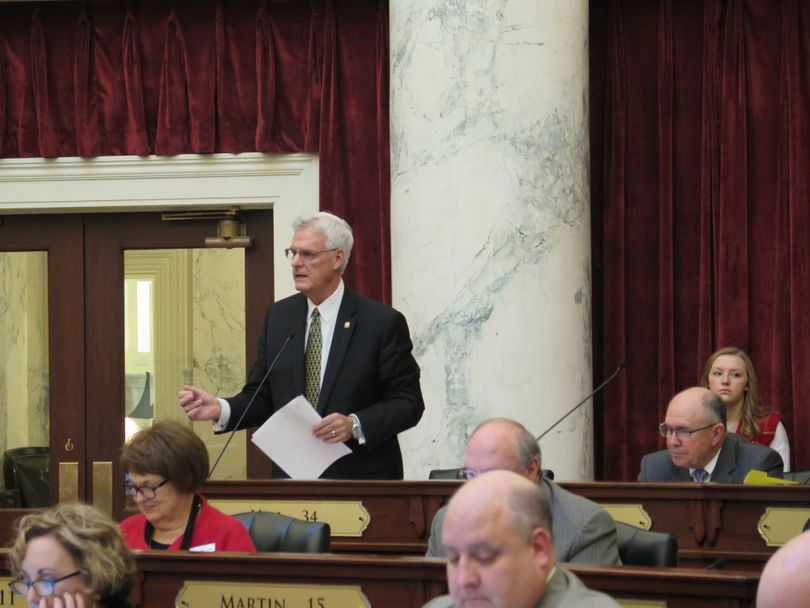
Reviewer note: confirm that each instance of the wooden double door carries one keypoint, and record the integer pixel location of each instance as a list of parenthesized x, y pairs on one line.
[(84, 302)]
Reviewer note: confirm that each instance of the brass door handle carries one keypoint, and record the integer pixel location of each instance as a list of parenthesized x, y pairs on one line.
[(102, 487), (68, 481)]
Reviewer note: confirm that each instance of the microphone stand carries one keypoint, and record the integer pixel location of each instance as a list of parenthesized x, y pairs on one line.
[(247, 407), (615, 373)]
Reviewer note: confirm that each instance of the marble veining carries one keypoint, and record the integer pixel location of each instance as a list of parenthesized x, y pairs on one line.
[(490, 225), (219, 344)]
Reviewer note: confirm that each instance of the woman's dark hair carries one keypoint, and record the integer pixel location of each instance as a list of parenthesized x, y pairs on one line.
[(169, 449)]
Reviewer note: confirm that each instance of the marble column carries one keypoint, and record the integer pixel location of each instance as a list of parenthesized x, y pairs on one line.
[(491, 220)]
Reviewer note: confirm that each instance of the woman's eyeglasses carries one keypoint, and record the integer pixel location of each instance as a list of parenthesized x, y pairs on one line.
[(42, 586), (148, 492)]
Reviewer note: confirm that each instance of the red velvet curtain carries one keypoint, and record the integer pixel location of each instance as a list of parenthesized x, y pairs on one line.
[(700, 156), (156, 77)]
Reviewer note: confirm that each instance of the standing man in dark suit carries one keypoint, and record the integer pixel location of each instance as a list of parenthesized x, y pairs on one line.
[(699, 448), (348, 355)]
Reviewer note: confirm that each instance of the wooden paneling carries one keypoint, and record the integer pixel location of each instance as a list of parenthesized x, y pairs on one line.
[(408, 582), (711, 522)]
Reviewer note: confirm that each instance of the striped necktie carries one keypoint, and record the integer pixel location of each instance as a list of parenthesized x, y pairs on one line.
[(700, 475), (312, 359)]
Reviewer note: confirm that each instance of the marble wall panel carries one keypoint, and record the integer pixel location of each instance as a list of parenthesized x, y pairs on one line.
[(490, 220)]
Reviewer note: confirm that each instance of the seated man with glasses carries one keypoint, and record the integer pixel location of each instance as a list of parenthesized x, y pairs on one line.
[(584, 532), (698, 447), (501, 549)]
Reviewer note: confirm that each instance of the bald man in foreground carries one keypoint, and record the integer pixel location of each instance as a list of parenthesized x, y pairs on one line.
[(784, 582), (500, 551)]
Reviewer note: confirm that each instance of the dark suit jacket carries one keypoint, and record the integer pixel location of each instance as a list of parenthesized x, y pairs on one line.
[(737, 458), (370, 372)]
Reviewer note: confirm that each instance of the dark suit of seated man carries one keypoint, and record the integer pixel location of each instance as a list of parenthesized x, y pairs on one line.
[(584, 533), (699, 448)]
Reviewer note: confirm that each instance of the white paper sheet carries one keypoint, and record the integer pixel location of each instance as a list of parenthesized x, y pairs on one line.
[(287, 439)]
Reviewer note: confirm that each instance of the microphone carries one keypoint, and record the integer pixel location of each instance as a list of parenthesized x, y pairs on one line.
[(615, 373), (247, 407), (716, 564)]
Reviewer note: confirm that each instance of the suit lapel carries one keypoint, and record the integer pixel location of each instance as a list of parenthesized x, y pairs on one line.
[(299, 324), (682, 474), (344, 329), (726, 461)]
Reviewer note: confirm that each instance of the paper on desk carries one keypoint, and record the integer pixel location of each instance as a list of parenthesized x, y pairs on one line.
[(754, 477), (287, 438)]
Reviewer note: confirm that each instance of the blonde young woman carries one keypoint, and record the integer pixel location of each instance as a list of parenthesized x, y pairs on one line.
[(729, 374)]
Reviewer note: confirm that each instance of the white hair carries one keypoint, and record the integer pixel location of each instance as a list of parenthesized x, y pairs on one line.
[(337, 231)]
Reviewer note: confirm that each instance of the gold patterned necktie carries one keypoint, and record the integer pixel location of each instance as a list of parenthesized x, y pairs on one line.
[(312, 359)]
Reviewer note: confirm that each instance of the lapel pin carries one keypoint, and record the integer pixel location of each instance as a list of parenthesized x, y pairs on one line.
[(347, 325)]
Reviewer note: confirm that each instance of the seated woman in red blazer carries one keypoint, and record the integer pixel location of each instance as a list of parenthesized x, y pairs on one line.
[(729, 374), (166, 465)]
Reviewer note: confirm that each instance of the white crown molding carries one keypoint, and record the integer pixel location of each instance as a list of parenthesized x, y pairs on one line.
[(133, 183), (287, 183)]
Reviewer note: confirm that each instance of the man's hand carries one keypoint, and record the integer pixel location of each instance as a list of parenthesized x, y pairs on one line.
[(200, 405), (335, 428)]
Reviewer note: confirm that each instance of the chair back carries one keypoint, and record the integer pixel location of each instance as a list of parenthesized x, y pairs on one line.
[(28, 471), (456, 474), (445, 474), (802, 477), (281, 533), (639, 547), (144, 408)]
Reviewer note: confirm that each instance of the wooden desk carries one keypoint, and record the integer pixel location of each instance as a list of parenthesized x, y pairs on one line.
[(678, 587), (388, 581), (399, 513), (711, 521)]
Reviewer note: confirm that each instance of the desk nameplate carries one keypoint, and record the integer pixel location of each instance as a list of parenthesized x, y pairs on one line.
[(199, 594), (779, 524), (631, 514), (626, 603), (347, 518), (7, 598)]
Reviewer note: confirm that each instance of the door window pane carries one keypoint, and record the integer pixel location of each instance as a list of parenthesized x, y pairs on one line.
[(193, 321), (24, 421)]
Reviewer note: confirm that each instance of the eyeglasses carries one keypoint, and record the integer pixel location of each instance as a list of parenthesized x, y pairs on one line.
[(148, 492), (681, 434), (308, 256), (42, 586), (468, 473)]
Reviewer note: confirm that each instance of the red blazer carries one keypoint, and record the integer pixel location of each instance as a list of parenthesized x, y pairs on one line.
[(212, 529), (768, 426)]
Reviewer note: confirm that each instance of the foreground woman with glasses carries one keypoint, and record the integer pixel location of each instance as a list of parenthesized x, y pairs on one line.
[(71, 556), (166, 465)]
